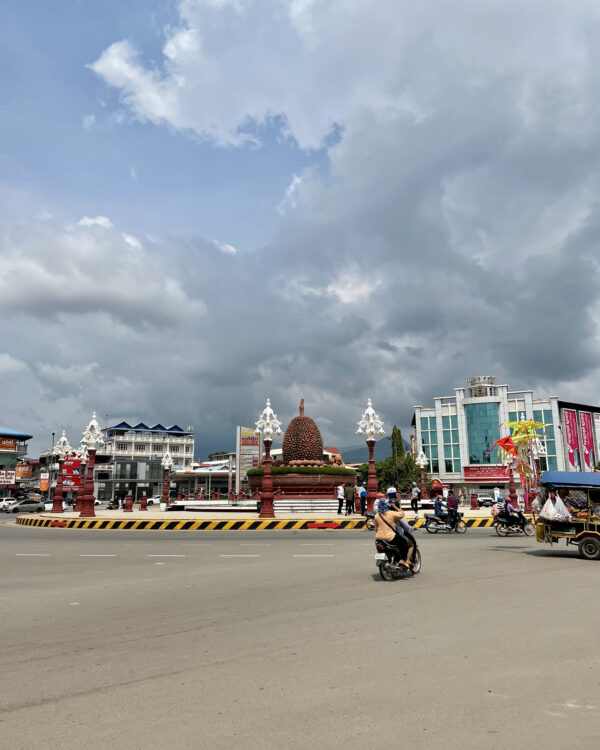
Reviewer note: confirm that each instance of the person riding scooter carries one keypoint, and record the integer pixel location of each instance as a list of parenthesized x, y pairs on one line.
[(514, 515), (440, 509), (386, 531)]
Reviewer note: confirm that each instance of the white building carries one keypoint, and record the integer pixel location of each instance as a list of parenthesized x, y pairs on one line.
[(458, 432)]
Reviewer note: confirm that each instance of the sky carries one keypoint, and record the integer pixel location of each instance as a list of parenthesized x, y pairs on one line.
[(205, 203)]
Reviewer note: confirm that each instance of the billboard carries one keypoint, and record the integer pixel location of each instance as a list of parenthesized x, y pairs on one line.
[(44, 481), (572, 439), (8, 444), (247, 453), (486, 473), (23, 471), (71, 473), (8, 478), (587, 440)]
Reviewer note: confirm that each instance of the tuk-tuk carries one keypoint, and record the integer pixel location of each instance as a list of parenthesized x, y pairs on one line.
[(580, 493)]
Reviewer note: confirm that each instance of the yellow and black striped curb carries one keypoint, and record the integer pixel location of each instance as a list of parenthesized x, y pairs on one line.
[(239, 524)]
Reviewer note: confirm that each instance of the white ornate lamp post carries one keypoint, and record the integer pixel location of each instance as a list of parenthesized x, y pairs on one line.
[(166, 463), (268, 425), (60, 451), (370, 425), (422, 462), (91, 440)]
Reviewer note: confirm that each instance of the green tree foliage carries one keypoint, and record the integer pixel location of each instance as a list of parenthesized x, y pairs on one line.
[(218, 455), (398, 469)]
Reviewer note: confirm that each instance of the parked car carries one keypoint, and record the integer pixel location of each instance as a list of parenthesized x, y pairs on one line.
[(486, 501), (7, 502), (28, 505), (156, 500)]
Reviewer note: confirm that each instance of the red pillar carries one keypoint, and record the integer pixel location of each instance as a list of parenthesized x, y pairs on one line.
[(129, 504), (474, 501), (178, 492), (372, 478), (57, 504), (512, 489), (196, 494), (86, 508), (424, 493), (165, 494), (187, 495), (266, 495), (144, 502)]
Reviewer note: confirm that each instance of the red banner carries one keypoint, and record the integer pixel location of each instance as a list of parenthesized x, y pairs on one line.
[(486, 473), (71, 473), (572, 438), (587, 440)]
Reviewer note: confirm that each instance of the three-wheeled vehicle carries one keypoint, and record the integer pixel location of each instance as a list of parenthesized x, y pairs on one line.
[(580, 493)]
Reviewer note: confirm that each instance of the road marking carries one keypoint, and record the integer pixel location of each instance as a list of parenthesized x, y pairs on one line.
[(240, 555), (254, 544), (316, 544), (314, 555), (97, 555), (32, 554), (165, 555)]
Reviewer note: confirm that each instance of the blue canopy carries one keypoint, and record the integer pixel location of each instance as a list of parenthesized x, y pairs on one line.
[(7, 432), (571, 479)]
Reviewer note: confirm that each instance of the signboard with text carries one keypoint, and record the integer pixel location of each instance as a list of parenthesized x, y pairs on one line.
[(23, 471), (8, 478), (8, 444), (71, 473), (572, 439), (587, 440), (486, 473), (247, 454)]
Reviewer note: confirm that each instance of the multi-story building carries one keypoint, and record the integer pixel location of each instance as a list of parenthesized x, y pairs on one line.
[(129, 460), (13, 448), (457, 433)]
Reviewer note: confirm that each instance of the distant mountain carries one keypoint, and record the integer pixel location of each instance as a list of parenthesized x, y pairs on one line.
[(360, 454)]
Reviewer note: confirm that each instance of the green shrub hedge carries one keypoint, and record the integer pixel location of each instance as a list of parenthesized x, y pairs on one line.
[(340, 471)]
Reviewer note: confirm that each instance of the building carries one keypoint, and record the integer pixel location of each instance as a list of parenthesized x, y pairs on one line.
[(13, 449), (458, 432), (129, 460)]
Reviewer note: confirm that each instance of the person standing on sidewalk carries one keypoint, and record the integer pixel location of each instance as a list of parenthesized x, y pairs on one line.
[(415, 496), (349, 494), (362, 492), (340, 496)]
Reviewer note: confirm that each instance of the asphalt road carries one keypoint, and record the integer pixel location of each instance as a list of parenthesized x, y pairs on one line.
[(290, 640)]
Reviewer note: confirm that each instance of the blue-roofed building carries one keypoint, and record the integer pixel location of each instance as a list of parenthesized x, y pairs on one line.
[(130, 458), (458, 432)]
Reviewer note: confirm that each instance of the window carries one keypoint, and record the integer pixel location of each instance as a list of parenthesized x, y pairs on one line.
[(429, 443), (188, 449), (174, 448), (121, 446), (140, 447), (482, 430)]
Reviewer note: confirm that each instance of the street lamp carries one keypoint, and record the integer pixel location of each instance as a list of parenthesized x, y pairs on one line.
[(60, 451), (370, 425), (166, 463), (422, 461), (92, 439), (269, 425)]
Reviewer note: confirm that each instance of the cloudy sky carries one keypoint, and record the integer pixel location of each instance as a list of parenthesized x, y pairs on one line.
[(207, 202)]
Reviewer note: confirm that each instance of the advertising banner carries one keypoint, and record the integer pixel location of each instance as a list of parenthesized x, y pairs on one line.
[(8, 444), (597, 429), (486, 473), (71, 473), (8, 478), (247, 454), (23, 471), (572, 439), (44, 481), (587, 440)]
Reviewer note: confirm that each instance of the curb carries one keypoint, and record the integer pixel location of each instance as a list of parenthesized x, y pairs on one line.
[(245, 524)]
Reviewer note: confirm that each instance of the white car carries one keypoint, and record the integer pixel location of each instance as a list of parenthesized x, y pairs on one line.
[(7, 502), (485, 500)]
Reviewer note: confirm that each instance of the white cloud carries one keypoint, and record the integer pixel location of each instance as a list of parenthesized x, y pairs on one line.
[(289, 201), (98, 221), (89, 121), (225, 248), (133, 173), (132, 241)]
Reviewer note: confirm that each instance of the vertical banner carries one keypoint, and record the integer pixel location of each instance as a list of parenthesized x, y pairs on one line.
[(247, 454), (71, 474), (572, 439), (587, 440), (44, 481), (597, 431)]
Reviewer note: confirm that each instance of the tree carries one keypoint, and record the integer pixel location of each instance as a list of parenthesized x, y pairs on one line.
[(398, 469), (217, 455)]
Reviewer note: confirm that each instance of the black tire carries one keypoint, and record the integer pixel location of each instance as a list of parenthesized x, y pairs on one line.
[(370, 524), (416, 563), (14, 510), (385, 571), (529, 529), (589, 548), (431, 526), (502, 529), (461, 527)]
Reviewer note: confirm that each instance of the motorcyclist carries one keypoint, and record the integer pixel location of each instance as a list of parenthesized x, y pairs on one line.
[(403, 528), (440, 509), (385, 530), (514, 515)]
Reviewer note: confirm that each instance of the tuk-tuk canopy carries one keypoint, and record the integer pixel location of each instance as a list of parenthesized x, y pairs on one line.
[(578, 480)]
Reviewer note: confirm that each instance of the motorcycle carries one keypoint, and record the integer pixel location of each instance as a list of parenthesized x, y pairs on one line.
[(434, 523), (113, 505), (370, 522), (386, 559), (505, 527)]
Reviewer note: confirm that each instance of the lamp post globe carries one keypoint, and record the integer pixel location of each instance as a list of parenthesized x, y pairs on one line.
[(370, 426), (422, 461), (268, 425), (60, 451)]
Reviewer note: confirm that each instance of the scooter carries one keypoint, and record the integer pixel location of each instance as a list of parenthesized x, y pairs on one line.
[(386, 559), (434, 523), (504, 527)]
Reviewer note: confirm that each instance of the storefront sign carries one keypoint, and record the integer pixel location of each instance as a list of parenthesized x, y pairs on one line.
[(23, 471), (8, 444), (8, 478), (486, 473), (436, 484), (587, 440), (572, 439), (247, 454)]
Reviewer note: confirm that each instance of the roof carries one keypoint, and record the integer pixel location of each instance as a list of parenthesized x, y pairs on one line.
[(330, 449), (6, 432), (141, 427), (571, 479)]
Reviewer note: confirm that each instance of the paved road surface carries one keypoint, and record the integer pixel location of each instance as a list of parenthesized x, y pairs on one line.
[(291, 640)]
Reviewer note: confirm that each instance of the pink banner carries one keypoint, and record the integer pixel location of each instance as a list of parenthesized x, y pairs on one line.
[(587, 440), (572, 438)]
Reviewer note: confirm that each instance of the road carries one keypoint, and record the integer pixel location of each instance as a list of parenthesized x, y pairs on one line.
[(290, 640)]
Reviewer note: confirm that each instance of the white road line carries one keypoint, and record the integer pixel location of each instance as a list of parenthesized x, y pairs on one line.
[(240, 555), (314, 555), (254, 544), (165, 555), (32, 554), (316, 544), (97, 555)]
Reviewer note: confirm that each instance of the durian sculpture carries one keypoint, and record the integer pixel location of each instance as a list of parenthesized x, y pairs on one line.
[(302, 442)]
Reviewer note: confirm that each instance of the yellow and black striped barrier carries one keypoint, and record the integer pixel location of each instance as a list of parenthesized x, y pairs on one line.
[(205, 524)]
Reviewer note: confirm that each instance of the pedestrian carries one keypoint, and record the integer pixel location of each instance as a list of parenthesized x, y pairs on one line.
[(340, 496), (363, 499), (415, 496), (349, 494)]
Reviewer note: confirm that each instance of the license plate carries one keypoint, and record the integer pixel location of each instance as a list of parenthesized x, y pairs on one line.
[(380, 556)]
